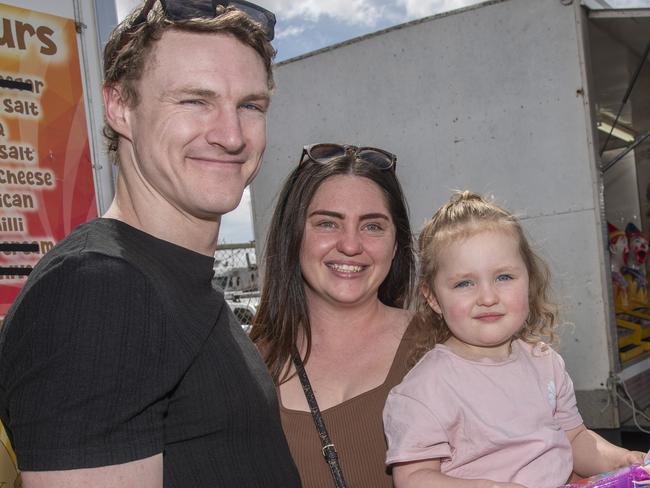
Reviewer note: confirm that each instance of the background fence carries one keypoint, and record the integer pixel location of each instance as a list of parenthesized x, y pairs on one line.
[(236, 274)]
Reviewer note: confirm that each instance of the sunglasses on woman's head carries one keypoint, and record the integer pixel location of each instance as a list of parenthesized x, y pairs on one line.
[(323, 153), (189, 9)]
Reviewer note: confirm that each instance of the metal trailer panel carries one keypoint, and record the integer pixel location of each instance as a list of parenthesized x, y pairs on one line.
[(92, 68), (490, 98)]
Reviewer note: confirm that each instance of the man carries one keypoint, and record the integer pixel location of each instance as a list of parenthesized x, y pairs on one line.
[(119, 364)]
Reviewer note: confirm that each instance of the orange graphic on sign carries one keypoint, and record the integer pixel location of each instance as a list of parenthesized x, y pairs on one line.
[(46, 181)]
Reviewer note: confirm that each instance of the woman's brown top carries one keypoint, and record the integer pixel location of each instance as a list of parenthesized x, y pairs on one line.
[(356, 429)]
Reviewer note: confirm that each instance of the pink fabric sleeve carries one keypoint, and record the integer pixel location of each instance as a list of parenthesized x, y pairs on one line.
[(566, 410), (412, 431)]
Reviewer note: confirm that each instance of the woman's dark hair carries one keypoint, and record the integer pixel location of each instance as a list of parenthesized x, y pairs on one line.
[(283, 305)]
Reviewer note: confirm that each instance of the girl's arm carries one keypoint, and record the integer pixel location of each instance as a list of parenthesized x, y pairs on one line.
[(592, 454), (426, 474)]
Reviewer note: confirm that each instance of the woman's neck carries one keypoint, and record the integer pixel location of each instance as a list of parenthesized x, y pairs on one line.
[(332, 324)]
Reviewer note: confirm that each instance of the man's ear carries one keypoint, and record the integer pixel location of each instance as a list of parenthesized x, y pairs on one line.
[(116, 110), (431, 298)]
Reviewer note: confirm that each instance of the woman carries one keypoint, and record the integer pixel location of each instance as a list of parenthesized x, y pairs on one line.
[(339, 269)]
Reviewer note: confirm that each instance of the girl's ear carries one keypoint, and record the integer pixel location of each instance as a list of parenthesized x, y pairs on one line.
[(431, 298)]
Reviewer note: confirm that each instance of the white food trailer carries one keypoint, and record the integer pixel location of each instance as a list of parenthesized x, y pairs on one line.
[(504, 98)]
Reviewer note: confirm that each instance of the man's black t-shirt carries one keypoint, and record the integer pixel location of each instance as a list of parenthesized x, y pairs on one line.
[(118, 348)]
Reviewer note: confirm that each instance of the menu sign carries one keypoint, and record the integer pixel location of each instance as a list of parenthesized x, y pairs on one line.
[(46, 181)]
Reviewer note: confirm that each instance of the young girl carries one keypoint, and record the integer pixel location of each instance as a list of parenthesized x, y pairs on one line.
[(490, 405)]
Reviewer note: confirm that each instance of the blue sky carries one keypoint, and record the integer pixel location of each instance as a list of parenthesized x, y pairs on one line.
[(307, 25)]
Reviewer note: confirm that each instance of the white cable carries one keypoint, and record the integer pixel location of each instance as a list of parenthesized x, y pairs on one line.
[(634, 411), (629, 401), (609, 401), (632, 400)]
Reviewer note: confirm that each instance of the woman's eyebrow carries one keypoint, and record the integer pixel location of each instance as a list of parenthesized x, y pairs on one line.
[(338, 215), (376, 215), (328, 213)]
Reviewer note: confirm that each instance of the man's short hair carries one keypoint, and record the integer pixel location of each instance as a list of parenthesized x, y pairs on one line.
[(128, 49)]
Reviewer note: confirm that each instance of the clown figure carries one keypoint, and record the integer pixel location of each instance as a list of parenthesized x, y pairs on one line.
[(618, 255), (638, 245), (634, 271)]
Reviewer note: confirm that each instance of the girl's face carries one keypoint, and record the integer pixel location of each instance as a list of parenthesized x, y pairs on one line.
[(481, 290), (349, 242)]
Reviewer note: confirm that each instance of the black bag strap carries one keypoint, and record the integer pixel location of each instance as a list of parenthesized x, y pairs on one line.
[(328, 450)]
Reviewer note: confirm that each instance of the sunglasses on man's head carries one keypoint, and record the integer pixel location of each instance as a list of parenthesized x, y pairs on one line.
[(190, 9), (323, 153)]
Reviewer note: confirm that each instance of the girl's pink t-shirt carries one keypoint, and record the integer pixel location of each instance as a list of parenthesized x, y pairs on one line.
[(502, 421)]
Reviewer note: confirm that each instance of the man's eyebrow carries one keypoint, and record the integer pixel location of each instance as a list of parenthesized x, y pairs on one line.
[(264, 97), (207, 93), (195, 92)]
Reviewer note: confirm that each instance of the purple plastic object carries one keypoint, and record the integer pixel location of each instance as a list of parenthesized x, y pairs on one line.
[(621, 478)]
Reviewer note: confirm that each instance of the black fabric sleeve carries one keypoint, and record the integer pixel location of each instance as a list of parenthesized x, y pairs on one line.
[(83, 367)]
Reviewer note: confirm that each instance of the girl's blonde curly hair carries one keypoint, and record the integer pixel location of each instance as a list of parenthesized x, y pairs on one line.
[(464, 215)]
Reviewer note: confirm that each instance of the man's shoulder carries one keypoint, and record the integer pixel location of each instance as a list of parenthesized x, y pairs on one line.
[(103, 236), (97, 243), (80, 249), (92, 256)]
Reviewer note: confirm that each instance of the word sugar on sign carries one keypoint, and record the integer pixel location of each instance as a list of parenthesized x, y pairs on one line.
[(46, 181)]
